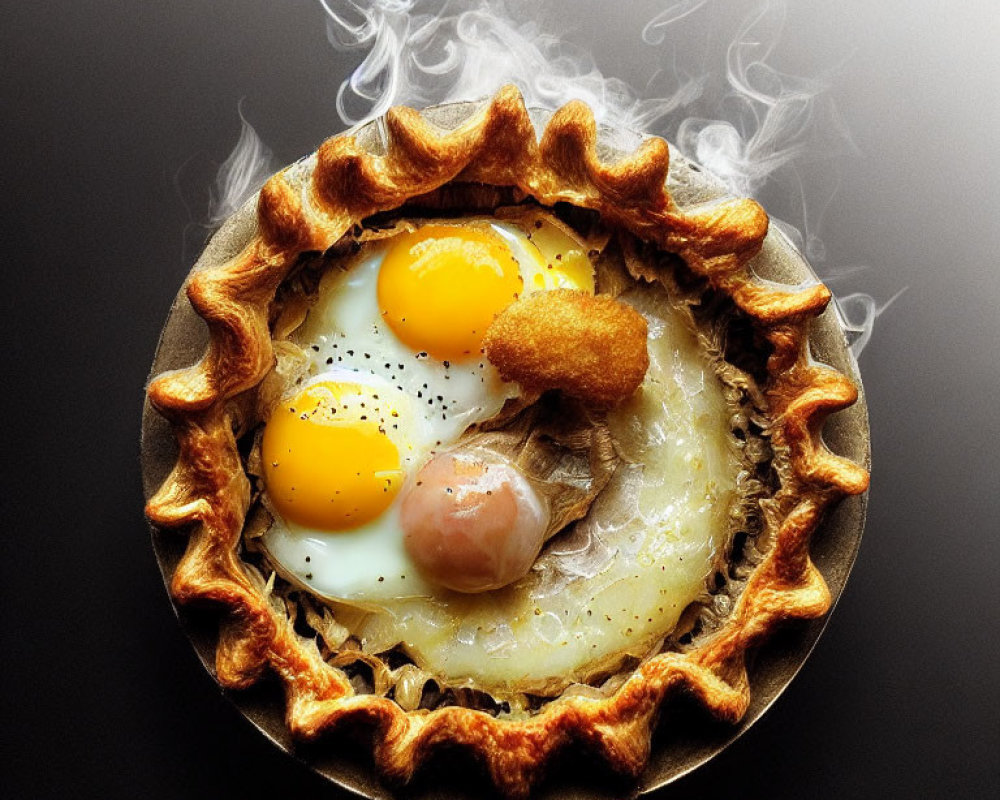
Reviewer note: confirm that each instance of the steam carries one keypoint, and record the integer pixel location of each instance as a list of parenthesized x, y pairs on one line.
[(858, 313), (728, 108), (772, 116), (419, 57), (246, 169)]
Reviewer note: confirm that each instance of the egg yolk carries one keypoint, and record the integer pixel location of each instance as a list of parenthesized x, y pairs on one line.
[(328, 463), (440, 287)]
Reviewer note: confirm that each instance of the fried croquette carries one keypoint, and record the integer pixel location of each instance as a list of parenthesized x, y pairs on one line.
[(590, 347)]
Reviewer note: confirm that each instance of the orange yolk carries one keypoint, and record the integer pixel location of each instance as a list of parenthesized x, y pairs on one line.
[(440, 287), (327, 464)]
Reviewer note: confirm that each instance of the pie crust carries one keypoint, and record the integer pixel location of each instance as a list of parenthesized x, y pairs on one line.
[(207, 493)]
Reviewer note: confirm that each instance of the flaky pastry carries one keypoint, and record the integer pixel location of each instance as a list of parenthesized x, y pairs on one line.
[(208, 492)]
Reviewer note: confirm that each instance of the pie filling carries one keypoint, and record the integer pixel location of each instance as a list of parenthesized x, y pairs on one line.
[(608, 587)]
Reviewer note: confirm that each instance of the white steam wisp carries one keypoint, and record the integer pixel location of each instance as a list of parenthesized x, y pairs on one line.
[(858, 313), (241, 174), (771, 115), (422, 53)]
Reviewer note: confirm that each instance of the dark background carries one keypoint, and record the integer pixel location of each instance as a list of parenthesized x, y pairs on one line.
[(115, 117)]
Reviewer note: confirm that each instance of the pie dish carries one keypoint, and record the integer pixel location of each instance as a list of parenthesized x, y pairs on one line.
[(713, 249)]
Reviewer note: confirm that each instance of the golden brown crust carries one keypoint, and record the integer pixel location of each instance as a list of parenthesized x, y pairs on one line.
[(208, 493), (590, 347)]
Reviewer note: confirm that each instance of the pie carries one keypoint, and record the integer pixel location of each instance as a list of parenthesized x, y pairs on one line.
[(576, 358)]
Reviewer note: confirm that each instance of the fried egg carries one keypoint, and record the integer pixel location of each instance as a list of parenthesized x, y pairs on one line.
[(395, 375)]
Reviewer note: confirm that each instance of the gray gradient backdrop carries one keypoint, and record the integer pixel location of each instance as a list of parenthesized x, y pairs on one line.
[(115, 115)]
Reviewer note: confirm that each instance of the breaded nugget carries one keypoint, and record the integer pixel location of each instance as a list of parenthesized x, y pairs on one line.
[(591, 347)]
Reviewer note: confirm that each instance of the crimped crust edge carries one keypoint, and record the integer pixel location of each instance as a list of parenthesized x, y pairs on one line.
[(208, 494)]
